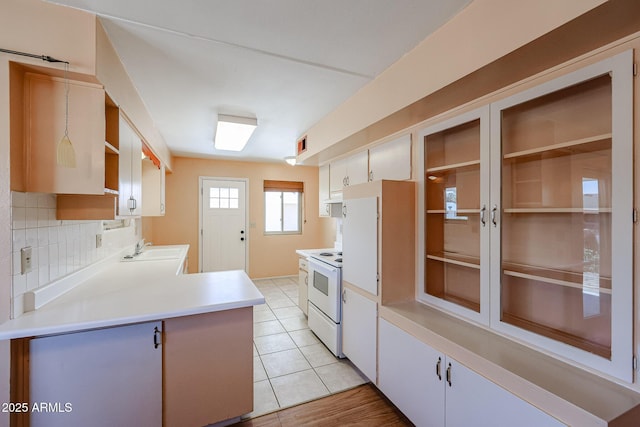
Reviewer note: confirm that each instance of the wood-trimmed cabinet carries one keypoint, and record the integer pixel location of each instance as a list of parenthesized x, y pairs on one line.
[(44, 127), (190, 370), (378, 249), (537, 213)]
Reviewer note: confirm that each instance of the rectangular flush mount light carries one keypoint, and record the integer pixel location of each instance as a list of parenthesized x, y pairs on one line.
[(233, 132)]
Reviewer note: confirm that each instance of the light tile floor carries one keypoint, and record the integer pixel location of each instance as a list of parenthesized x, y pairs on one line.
[(290, 365)]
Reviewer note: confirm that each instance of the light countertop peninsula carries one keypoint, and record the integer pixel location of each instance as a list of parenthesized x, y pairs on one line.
[(118, 293)]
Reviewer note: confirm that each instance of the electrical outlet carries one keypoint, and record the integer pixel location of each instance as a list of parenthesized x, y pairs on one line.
[(98, 241), (25, 260)]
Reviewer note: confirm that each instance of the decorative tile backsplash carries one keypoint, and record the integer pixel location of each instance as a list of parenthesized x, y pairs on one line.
[(58, 247)]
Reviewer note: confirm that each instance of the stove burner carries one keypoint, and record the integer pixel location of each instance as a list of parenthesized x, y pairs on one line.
[(325, 254), (338, 260)]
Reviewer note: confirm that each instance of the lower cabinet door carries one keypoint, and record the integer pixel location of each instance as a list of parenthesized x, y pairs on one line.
[(411, 374), (359, 327), (473, 400), (106, 377)]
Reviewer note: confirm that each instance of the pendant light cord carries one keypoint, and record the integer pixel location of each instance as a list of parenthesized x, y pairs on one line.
[(66, 95)]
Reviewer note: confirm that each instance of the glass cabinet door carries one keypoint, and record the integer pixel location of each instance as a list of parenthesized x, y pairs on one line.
[(565, 202), (455, 156)]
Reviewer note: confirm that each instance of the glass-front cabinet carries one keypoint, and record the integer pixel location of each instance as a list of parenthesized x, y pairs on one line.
[(546, 213), (456, 160)]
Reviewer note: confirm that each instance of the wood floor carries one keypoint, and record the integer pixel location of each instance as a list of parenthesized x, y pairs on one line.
[(361, 406)]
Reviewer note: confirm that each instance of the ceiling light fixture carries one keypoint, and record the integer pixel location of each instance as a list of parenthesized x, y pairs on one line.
[(291, 160), (233, 132)]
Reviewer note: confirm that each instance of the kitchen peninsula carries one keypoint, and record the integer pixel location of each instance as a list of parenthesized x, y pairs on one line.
[(159, 347)]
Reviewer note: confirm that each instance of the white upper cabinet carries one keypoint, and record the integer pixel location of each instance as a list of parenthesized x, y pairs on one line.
[(45, 117), (130, 171), (153, 188), (351, 170), (323, 190), (391, 160)]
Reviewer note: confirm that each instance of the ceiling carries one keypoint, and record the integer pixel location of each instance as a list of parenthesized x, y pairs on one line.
[(286, 62)]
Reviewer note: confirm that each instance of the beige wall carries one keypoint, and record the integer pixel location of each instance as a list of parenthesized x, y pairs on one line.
[(483, 32), (269, 256)]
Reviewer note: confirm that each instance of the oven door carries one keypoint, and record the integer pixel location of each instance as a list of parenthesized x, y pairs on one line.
[(325, 288)]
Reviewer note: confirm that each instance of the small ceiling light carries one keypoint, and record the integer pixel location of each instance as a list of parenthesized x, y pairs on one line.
[(233, 132), (291, 160)]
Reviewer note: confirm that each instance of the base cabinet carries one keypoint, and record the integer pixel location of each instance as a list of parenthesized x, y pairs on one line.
[(107, 377), (432, 389), (359, 331), (303, 285), (186, 371)]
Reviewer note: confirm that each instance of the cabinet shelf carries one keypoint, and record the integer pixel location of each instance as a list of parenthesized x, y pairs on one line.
[(583, 145), (557, 210), (110, 149), (558, 277), (453, 166), (457, 211), (456, 258)]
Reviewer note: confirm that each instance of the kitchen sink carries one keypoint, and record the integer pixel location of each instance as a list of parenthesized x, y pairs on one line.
[(156, 254)]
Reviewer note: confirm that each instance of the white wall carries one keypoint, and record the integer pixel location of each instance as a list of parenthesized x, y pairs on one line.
[(483, 32)]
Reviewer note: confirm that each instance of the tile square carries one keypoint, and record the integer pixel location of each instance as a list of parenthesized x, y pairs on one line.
[(273, 343), (287, 312), (298, 388), (318, 355), (284, 362), (263, 316), (279, 302), (340, 376), (261, 307), (264, 400), (304, 337), (295, 323), (259, 373), (270, 327)]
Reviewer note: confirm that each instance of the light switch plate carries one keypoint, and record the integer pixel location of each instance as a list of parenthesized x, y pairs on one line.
[(25, 260)]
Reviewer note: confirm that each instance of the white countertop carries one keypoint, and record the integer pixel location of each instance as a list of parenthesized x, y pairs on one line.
[(122, 293), (306, 252)]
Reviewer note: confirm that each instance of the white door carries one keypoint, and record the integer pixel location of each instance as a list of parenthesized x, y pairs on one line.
[(223, 242), (360, 243)]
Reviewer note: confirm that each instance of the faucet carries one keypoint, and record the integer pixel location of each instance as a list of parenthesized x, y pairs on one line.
[(140, 245)]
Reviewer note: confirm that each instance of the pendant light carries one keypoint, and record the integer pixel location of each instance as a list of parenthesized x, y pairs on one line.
[(65, 154)]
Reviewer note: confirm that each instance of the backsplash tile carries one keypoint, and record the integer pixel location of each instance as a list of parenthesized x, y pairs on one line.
[(58, 247)]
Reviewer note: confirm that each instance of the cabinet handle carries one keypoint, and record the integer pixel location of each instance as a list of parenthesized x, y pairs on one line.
[(439, 368), (344, 296), (482, 212), (326, 207), (344, 181), (347, 181), (306, 280), (344, 211), (157, 337), (449, 374), (161, 207), (494, 210), (371, 176)]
